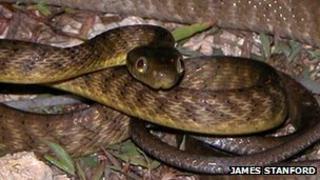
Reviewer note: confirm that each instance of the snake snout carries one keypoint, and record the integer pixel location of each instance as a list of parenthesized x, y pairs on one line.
[(166, 80)]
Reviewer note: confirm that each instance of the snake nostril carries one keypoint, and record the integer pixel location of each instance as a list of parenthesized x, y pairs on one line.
[(161, 75)]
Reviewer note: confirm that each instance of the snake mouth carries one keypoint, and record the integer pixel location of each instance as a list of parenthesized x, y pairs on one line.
[(167, 83)]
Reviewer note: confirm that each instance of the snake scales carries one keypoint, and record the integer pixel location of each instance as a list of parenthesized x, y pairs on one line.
[(297, 33)]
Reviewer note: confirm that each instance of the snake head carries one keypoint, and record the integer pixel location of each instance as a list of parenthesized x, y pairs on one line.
[(157, 67)]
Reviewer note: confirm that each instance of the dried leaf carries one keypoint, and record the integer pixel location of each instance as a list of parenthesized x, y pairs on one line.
[(80, 171), (98, 171)]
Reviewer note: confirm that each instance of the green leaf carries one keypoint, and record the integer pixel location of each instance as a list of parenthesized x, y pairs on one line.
[(315, 54), (60, 164), (290, 50), (295, 50), (90, 161), (282, 47), (266, 45), (188, 31), (151, 164), (43, 8), (130, 153), (63, 161)]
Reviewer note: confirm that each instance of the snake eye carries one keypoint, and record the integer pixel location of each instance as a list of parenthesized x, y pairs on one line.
[(179, 66), (141, 64)]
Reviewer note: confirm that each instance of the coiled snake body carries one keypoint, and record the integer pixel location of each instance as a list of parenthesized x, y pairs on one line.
[(198, 104), (252, 101)]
